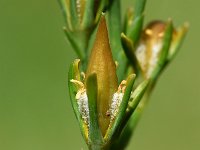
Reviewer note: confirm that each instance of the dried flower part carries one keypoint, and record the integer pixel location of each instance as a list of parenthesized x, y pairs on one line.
[(101, 63), (150, 47)]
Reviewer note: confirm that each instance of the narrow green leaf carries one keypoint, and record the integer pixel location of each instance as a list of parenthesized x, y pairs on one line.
[(135, 21), (135, 99), (74, 74), (130, 52), (95, 136), (132, 117), (128, 20), (139, 7), (114, 28), (135, 29), (75, 41), (74, 15), (164, 51), (177, 41), (88, 17), (114, 126), (65, 12)]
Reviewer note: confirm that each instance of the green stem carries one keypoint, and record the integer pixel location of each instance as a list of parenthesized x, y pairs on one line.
[(95, 147), (105, 146)]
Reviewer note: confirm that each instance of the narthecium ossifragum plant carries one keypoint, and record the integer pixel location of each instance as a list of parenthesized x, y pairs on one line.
[(110, 82)]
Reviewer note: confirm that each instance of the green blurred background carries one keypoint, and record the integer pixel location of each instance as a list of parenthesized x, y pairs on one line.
[(35, 111)]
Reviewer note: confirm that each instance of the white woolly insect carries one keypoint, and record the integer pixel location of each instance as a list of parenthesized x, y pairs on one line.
[(154, 58), (117, 99), (82, 101), (140, 54), (83, 107)]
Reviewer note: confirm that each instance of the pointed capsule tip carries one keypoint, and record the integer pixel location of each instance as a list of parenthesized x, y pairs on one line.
[(101, 62)]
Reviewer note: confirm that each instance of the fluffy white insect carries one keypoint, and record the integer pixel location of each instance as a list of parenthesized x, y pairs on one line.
[(154, 58), (82, 101), (141, 55), (83, 105), (117, 99)]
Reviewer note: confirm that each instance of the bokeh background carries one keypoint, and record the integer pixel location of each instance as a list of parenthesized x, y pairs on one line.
[(35, 111)]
